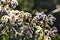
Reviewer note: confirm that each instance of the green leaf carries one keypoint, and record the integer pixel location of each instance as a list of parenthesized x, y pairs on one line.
[(40, 37)]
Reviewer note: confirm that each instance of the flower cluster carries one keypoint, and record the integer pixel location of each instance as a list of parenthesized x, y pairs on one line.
[(42, 19), (24, 26), (11, 3), (50, 33)]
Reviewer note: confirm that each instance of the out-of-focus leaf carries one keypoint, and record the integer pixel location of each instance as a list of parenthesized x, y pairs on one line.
[(3, 38)]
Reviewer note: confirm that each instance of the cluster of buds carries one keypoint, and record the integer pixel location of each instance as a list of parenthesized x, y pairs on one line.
[(43, 19), (11, 3), (15, 16), (50, 33)]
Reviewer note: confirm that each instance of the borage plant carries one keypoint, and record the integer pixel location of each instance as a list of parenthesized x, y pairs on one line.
[(20, 25)]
